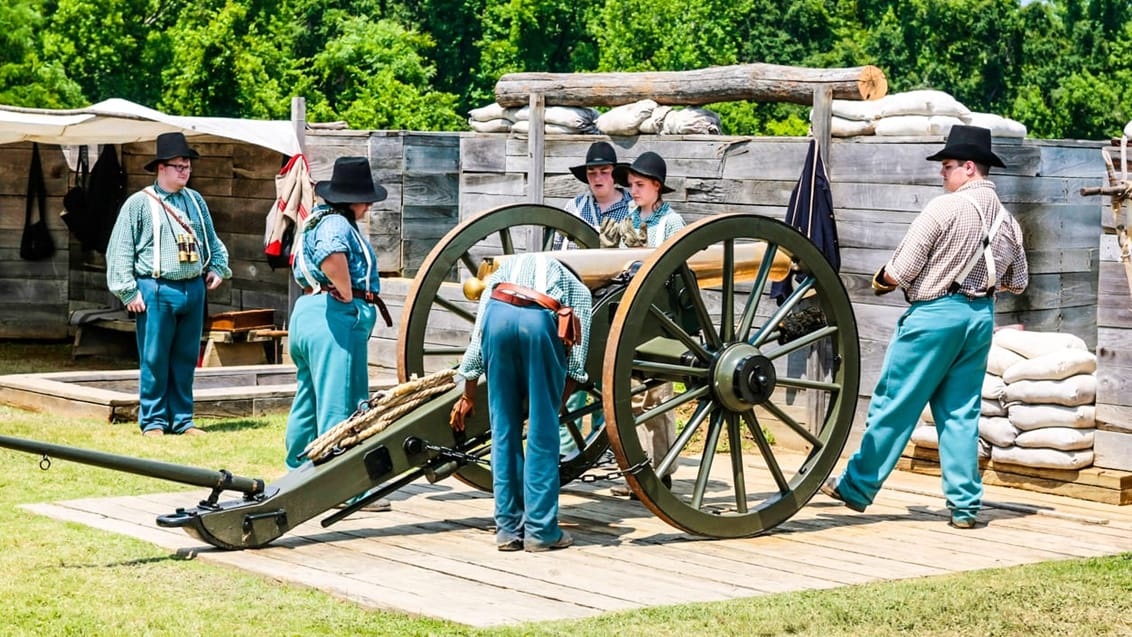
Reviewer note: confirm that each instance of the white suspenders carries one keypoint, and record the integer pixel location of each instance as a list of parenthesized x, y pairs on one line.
[(155, 209), (986, 252), (301, 260)]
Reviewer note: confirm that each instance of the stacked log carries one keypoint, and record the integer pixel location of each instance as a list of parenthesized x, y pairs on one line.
[(1037, 402)]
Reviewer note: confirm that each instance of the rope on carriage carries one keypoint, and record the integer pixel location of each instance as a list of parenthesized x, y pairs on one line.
[(375, 414)]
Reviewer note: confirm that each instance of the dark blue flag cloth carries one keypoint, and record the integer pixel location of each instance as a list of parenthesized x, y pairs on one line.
[(811, 213)]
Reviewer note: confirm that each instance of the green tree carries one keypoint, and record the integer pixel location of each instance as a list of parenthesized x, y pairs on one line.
[(26, 77), (530, 35), (104, 44), (372, 75)]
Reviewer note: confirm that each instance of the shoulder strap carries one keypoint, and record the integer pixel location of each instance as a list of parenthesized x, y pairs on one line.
[(155, 217), (986, 252), (37, 190)]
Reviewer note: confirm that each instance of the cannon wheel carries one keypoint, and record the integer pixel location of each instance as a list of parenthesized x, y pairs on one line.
[(734, 375), (430, 305)]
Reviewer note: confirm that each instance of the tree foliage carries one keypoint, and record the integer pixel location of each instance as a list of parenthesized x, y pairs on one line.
[(1062, 67)]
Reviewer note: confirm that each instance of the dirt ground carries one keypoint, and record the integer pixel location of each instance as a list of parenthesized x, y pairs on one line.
[(23, 357)]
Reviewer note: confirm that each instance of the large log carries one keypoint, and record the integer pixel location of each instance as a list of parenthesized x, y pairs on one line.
[(757, 82)]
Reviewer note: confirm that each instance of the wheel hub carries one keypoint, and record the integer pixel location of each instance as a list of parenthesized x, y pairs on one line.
[(742, 377)]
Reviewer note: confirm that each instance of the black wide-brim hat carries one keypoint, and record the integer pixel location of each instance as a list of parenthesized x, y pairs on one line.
[(599, 154), (351, 182), (969, 143), (650, 165), (170, 146)]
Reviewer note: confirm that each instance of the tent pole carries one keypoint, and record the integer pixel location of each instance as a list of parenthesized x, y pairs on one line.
[(299, 122)]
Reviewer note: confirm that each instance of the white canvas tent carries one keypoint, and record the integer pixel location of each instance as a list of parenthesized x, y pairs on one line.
[(118, 121)]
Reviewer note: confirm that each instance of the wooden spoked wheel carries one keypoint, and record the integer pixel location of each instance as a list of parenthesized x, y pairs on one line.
[(437, 318), (742, 372)]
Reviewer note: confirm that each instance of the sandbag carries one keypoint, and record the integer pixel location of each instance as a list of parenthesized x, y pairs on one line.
[(524, 126), (1043, 458), (499, 125), (576, 117), (840, 127), (992, 408), (855, 110), (993, 387), (1034, 344), (654, 125), (922, 102), (925, 436), (915, 125), (1028, 417), (997, 431), (998, 125), (691, 121), (1075, 390), (1053, 366), (985, 448), (627, 118), (487, 113), (1063, 438), (1000, 358)]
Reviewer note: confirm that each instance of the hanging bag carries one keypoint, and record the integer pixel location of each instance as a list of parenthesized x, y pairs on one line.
[(35, 244), (75, 210)]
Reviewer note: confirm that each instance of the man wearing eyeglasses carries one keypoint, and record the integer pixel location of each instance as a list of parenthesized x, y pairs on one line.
[(162, 256), (958, 253)]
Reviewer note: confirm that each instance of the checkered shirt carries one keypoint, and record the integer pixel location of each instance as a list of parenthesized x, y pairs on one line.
[(944, 236), (560, 284)]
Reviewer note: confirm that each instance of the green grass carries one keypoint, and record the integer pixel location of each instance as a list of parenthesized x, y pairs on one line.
[(59, 578)]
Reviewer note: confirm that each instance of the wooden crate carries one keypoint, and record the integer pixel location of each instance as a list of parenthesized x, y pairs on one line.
[(240, 321), (1091, 483)]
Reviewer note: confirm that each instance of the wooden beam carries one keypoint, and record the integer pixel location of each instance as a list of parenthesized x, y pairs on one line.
[(757, 82)]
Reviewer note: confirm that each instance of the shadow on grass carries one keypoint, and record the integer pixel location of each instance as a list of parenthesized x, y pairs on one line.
[(241, 424)]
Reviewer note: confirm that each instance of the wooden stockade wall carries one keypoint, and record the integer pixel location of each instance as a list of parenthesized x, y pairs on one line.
[(1113, 440), (879, 186), (436, 179)]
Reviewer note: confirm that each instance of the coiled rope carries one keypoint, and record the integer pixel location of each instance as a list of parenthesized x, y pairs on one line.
[(375, 414)]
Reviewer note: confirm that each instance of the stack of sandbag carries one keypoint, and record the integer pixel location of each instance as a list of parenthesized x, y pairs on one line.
[(914, 114), (492, 118), (1037, 402), (650, 118), (562, 120)]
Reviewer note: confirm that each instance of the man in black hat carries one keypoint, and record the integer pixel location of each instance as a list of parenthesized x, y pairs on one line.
[(961, 250), (604, 204), (162, 256)]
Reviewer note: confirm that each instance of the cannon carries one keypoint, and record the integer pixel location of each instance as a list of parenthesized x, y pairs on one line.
[(696, 312)]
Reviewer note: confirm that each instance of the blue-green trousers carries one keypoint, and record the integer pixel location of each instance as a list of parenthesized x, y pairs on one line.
[(937, 356), (328, 345), (168, 337), (526, 374)]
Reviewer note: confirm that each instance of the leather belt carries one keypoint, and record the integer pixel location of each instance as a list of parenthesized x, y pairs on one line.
[(373, 298), (521, 296)]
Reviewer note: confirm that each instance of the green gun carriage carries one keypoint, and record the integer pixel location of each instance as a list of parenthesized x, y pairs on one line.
[(696, 312)]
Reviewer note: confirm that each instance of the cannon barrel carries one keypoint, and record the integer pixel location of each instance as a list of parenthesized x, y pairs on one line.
[(219, 479), (598, 267)]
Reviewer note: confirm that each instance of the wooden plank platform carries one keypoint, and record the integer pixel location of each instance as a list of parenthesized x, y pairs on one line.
[(434, 554), (1091, 483)]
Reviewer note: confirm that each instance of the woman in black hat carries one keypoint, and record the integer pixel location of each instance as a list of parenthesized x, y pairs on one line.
[(651, 220), (331, 323)]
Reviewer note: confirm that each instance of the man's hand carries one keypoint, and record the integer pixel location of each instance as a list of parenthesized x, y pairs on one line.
[(212, 280), (136, 305), (464, 407), (609, 234), (881, 284)]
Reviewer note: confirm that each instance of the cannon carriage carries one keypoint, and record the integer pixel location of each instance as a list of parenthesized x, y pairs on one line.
[(696, 312)]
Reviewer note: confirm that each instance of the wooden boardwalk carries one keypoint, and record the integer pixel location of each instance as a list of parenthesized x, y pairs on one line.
[(434, 554)]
